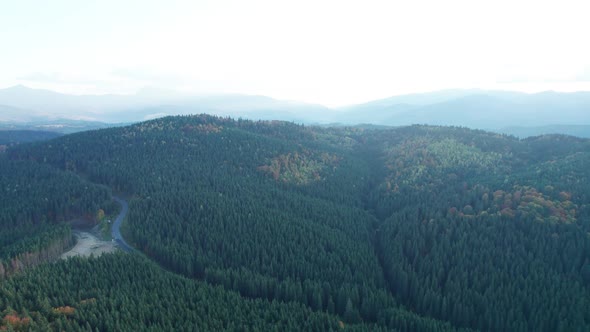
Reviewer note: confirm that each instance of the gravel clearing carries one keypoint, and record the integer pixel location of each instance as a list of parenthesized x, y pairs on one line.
[(88, 244)]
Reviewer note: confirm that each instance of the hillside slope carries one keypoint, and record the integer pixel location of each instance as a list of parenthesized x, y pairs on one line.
[(455, 225)]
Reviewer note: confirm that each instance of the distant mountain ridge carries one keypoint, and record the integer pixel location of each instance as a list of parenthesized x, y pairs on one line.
[(145, 105), (473, 108), (477, 109), (572, 130)]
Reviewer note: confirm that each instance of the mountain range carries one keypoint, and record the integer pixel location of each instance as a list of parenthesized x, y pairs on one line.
[(515, 113)]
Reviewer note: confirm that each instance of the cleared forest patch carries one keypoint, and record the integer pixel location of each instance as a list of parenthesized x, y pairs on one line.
[(88, 244)]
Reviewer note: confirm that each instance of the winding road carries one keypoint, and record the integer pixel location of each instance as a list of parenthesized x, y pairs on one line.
[(116, 230)]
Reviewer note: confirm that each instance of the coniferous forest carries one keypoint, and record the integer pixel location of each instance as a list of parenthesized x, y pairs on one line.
[(268, 225)]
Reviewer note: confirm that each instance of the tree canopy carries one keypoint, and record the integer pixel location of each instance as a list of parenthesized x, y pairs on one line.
[(412, 228)]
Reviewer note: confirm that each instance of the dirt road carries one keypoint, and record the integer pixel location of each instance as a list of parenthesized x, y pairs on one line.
[(89, 244)]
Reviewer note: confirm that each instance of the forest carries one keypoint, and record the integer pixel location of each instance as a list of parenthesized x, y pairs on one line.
[(269, 225)]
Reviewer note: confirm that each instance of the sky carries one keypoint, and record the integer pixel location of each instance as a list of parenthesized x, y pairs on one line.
[(328, 52)]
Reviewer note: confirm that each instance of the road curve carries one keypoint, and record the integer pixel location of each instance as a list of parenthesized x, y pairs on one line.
[(116, 230)]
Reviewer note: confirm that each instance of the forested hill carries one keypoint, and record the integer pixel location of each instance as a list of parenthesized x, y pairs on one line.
[(12, 137), (412, 228)]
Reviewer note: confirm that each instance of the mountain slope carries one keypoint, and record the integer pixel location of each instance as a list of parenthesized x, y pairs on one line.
[(464, 212), (303, 235), (15, 114), (356, 221), (11, 137), (417, 99), (37, 200)]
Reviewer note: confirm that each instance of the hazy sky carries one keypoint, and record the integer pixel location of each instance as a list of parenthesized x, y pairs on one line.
[(329, 52)]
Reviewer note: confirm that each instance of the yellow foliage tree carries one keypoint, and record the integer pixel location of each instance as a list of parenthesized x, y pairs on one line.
[(100, 215)]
